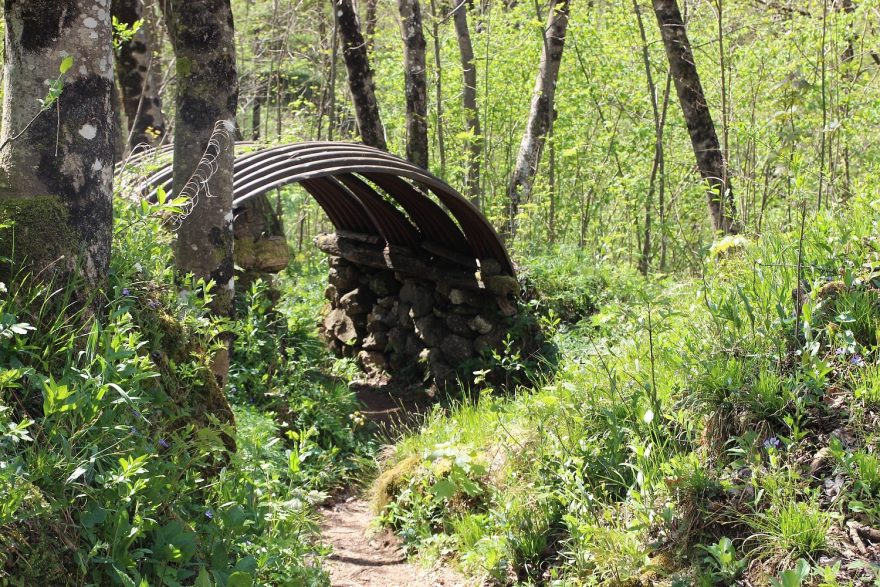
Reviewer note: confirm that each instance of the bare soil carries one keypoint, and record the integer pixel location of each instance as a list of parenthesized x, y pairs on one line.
[(364, 555)]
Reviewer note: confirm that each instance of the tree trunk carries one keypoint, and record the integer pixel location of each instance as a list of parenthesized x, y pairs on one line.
[(57, 162), (540, 116), (469, 102), (371, 18), (207, 95), (360, 76), (438, 87), (415, 82), (138, 79), (256, 118), (707, 149)]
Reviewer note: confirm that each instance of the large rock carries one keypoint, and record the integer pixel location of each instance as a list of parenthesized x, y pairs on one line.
[(263, 255), (260, 245), (413, 346), (340, 325), (420, 299), (403, 314), (397, 339), (386, 302), (443, 374), (344, 278), (374, 364), (463, 296), (376, 341), (458, 324), (357, 301), (456, 349), (480, 325), (431, 330), (384, 284), (489, 341)]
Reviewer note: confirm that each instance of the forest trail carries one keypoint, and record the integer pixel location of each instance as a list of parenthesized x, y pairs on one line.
[(364, 555)]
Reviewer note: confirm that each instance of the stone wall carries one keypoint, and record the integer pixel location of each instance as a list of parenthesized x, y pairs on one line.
[(411, 319)]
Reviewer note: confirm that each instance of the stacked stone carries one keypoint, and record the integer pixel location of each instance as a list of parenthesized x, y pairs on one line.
[(408, 327)]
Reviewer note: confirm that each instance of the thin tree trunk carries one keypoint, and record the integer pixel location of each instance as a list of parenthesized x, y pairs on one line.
[(138, 79), (540, 116), (415, 81), (256, 118), (202, 35), (469, 102), (334, 58), (360, 76), (438, 87), (56, 163), (704, 139), (645, 257), (371, 18)]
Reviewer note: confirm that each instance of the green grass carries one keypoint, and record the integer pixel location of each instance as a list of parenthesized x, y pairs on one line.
[(683, 412)]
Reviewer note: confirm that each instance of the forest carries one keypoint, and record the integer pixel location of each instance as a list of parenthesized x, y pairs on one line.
[(440, 292)]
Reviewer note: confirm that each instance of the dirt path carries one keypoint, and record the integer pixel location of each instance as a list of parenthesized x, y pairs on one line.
[(363, 556)]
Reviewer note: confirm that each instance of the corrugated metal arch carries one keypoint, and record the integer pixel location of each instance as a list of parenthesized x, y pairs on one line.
[(348, 181)]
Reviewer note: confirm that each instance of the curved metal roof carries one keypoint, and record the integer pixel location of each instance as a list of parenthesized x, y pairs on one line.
[(356, 185)]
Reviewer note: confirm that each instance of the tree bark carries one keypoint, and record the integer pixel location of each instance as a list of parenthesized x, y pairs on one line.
[(707, 149), (438, 87), (371, 18), (138, 79), (360, 76), (56, 183), (469, 103), (415, 81), (540, 116), (201, 33)]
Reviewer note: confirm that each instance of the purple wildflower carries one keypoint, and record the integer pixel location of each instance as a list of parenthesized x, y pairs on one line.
[(857, 360), (209, 514), (773, 443), (163, 443), (126, 291)]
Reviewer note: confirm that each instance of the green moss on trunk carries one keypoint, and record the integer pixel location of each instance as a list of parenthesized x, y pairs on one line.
[(35, 234)]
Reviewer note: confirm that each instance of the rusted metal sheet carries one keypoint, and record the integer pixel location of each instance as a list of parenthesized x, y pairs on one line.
[(334, 173)]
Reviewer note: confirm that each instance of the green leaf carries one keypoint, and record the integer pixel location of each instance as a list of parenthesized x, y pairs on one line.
[(239, 579), (66, 64), (443, 489), (204, 579)]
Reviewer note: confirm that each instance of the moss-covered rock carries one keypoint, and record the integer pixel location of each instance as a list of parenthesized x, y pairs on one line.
[(390, 483)]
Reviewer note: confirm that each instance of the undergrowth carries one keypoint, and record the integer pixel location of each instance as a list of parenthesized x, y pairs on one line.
[(115, 466), (698, 431)]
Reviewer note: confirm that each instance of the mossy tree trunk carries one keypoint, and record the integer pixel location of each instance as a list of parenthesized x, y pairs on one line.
[(704, 139), (541, 115), (469, 102), (201, 33), (137, 73), (415, 81), (57, 163), (360, 75)]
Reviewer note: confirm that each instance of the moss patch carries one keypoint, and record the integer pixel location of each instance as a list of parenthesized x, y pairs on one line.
[(390, 483), (36, 233)]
